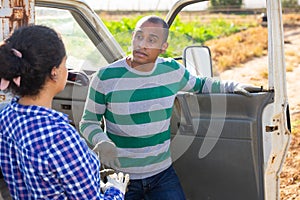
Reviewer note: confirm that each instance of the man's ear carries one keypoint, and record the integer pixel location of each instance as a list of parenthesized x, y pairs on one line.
[(164, 47)]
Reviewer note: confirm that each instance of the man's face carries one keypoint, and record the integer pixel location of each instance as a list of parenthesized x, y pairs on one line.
[(148, 42)]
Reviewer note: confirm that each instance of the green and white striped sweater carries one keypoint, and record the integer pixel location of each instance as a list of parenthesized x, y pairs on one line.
[(137, 108)]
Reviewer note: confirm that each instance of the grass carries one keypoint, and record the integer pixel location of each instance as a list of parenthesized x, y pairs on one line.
[(296, 126), (238, 48), (291, 19), (264, 74), (292, 60), (183, 32), (233, 39)]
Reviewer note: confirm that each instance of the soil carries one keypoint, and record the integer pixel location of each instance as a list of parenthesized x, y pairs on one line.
[(254, 72)]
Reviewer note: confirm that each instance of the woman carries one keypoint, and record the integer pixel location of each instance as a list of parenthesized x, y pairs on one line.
[(42, 155)]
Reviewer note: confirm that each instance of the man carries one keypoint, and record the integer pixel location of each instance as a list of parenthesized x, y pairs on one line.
[(135, 96)]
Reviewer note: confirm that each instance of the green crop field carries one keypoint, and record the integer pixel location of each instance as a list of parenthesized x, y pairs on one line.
[(183, 32)]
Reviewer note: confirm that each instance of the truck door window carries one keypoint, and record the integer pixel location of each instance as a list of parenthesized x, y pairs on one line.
[(82, 53)]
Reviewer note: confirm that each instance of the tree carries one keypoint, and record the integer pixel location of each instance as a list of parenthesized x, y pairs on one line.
[(290, 3), (226, 3)]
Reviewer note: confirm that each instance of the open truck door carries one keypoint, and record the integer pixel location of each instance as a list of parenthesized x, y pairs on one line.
[(229, 146)]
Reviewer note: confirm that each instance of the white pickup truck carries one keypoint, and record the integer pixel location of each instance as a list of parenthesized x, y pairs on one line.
[(224, 146)]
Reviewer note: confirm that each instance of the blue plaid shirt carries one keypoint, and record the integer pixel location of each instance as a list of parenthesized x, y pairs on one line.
[(43, 157)]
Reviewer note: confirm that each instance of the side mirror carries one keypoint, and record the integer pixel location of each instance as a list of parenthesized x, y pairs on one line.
[(197, 59), (78, 78)]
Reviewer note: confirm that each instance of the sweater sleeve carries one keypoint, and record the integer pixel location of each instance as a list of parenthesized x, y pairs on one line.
[(191, 83), (95, 107)]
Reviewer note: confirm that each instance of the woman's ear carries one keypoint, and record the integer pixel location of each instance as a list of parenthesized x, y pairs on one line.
[(54, 73), (164, 47)]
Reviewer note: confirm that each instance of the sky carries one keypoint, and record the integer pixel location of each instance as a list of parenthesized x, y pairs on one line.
[(155, 4)]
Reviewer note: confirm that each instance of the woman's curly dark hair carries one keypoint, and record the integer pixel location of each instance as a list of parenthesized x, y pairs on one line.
[(41, 48)]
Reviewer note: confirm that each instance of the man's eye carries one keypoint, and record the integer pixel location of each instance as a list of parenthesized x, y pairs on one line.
[(139, 37), (152, 40)]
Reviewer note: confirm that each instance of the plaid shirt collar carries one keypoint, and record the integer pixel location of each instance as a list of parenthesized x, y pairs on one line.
[(33, 110)]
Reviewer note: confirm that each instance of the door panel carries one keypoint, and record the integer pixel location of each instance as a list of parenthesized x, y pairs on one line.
[(71, 101), (222, 154)]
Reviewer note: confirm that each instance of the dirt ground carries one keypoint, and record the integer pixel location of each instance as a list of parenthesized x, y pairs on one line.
[(254, 72)]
